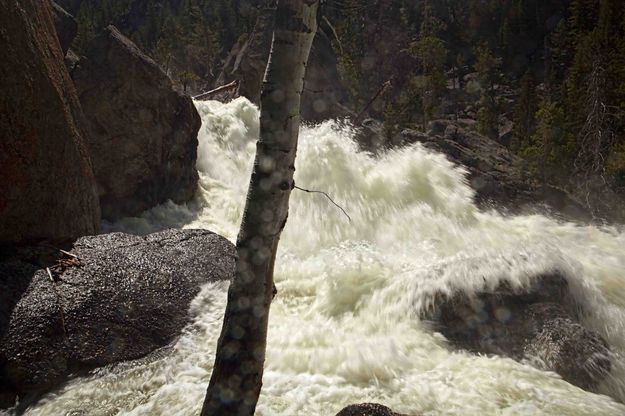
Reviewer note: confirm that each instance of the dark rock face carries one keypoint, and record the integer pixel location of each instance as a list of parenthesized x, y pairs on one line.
[(372, 138), (66, 26), (120, 298), (47, 188), (144, 133), (367, 409), (540, 324), (580, 356)]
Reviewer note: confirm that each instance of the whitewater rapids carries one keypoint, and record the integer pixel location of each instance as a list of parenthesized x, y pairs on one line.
[(344, 326)]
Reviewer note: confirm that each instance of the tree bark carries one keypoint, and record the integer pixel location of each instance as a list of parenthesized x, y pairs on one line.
[(237, 375)]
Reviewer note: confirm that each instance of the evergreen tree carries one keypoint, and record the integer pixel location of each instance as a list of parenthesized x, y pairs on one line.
[(488, 67), (418, 46), (431, 85), (525, 113)]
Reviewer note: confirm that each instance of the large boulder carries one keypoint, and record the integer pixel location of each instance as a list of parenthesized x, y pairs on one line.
[(47, 188), (144, 133), (367, 409), (116, 297), (539, 323)]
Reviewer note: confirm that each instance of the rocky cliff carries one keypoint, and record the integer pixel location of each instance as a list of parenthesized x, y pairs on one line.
[(47, 187)]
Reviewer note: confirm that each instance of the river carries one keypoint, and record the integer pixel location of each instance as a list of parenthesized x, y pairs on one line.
[(344, 327)]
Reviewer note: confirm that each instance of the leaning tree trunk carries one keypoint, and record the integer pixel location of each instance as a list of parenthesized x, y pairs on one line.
[(237, 375)]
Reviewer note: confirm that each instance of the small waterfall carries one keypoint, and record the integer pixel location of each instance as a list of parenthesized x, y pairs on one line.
[(344, 326)]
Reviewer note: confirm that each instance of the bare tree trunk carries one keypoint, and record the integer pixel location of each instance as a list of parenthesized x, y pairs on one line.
[(596, 136), (237, 375), (595, 139)]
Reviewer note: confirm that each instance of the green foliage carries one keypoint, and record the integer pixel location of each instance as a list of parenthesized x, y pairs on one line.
[(579, 127), (525, 113), (94, 15), (351, 47), (185, 37), (431, 85), (541, 64)]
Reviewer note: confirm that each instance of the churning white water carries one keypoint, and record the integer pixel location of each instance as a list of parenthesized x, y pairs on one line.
[(344, 326)]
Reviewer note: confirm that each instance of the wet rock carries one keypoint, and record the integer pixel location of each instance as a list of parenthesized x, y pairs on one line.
[(540, 324), (66, 26), (367, 409), (47, 188), (562, 345), (144, 133), (371, 136), (120, 298)]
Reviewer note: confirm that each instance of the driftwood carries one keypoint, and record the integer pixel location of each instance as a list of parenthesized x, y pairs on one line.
[(232, 87)]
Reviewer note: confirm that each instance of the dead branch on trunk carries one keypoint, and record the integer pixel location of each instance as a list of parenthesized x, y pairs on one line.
[(327, 196)]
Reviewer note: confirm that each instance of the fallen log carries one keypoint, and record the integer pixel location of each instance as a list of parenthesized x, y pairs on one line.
[(231, 87)]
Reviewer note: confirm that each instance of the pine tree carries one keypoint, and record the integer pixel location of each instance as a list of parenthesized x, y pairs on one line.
[(431, 85), (525, 113), (488, 67)]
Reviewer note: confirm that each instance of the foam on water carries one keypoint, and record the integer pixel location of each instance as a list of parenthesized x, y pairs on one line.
[(344, 326)]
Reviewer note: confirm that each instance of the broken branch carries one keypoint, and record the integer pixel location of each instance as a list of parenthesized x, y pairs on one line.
[(327, 196), (208, 94)]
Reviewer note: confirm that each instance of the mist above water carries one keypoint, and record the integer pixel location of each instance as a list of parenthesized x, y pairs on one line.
[(344, 327)]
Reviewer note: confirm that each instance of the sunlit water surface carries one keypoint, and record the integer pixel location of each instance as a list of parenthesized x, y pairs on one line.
[(343, 328)]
